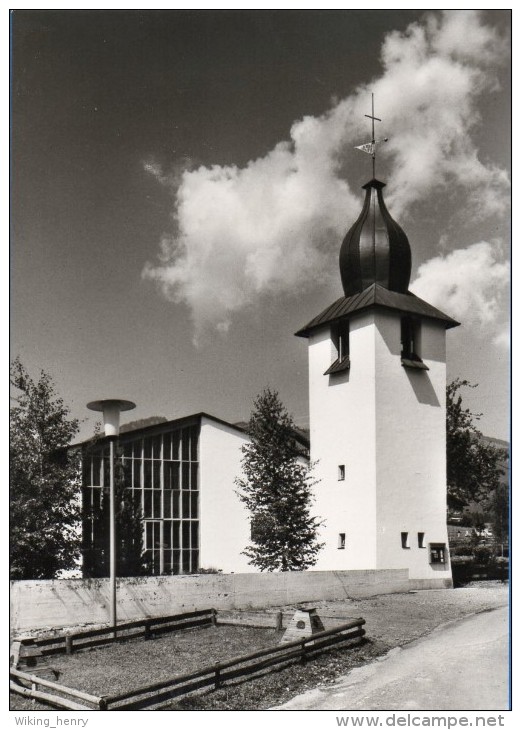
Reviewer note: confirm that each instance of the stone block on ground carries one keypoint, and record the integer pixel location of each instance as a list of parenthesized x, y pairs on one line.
[(304, 623)]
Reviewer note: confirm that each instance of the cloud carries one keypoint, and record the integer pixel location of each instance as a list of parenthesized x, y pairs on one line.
[(245, 233), (502, 339), (468, 283), (433, 76), (269, 228)]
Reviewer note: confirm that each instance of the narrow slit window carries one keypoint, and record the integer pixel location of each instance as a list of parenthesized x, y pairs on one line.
[(405, 540), (421, 539), (341, 540), (341, 472)]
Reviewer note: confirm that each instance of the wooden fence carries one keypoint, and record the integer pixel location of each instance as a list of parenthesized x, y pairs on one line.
[(161, 693), (145, 628), (57, 695)]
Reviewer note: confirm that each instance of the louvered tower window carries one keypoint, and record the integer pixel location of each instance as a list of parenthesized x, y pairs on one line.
[(410, 340)]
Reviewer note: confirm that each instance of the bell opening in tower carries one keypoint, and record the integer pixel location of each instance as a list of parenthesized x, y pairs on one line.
[(340, 339), (411, 344)]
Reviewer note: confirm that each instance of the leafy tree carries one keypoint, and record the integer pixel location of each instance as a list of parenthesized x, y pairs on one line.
[(277, 490), (477, 520), (483, 555), (130, 556), (473, 466), (44, 480), (500, 512)]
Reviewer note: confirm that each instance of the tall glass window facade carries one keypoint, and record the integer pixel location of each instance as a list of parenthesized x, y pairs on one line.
[(162, 471)]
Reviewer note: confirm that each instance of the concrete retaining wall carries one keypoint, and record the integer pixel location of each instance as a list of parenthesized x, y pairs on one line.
[(57, 604)]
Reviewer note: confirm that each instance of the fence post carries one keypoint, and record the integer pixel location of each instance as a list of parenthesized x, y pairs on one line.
[(217, 679), (278, 621), (68, 644), (147, 630), (303, 651), (214, 617), (103, 705)]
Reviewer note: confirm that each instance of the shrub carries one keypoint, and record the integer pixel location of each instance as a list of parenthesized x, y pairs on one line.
[(461, 550), (483, 555), (204, 571)]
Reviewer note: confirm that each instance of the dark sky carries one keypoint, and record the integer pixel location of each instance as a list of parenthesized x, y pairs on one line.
[(98, 94)]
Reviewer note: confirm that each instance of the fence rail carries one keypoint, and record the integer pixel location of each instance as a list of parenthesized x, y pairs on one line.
[(128, 630), (158, 694), (66, 696)]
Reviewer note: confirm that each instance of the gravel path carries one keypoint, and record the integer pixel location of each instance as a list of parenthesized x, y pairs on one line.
[(428, 674), (398, 618)]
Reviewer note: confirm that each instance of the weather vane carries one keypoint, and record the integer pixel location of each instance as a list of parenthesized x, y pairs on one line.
[(370, 147)]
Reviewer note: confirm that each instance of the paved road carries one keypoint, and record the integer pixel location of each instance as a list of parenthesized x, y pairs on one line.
[(462, 665)]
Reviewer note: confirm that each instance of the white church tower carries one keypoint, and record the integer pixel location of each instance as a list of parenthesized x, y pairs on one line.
[(377, 378)]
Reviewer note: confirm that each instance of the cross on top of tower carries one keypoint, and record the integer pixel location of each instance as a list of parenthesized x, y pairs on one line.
[(372, 117), (370, 147)]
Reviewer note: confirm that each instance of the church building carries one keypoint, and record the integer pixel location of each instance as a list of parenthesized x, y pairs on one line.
[(181, 475), (377, 378)]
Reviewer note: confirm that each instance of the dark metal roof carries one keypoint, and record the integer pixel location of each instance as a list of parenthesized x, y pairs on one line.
[(376, 296), (414, 364), (375, 249), (338, 366)]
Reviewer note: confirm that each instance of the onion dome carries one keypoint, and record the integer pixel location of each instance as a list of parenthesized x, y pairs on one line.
[(375, 249)]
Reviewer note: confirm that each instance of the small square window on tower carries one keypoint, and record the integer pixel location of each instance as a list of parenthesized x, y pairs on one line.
[(341, 540), (410, 339), (340, 339), (405, 540), (341, 472), (421, 539)]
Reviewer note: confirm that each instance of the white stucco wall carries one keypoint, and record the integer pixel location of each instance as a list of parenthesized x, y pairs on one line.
[(386, 424), (343, 431), (225, 527), (410, 448)]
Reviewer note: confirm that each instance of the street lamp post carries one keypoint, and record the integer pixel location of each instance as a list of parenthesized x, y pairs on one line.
[(111, 409)]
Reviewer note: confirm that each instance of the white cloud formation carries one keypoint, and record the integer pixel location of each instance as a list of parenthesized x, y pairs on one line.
[(242, 233), (502, 339), (468, 283), (433, 76)]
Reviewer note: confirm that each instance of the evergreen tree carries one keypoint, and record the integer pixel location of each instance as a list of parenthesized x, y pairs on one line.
[(44, 480), (277, 490), (473, 467)]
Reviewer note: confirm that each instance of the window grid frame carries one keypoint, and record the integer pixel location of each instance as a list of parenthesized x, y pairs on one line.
[(144, 461)]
